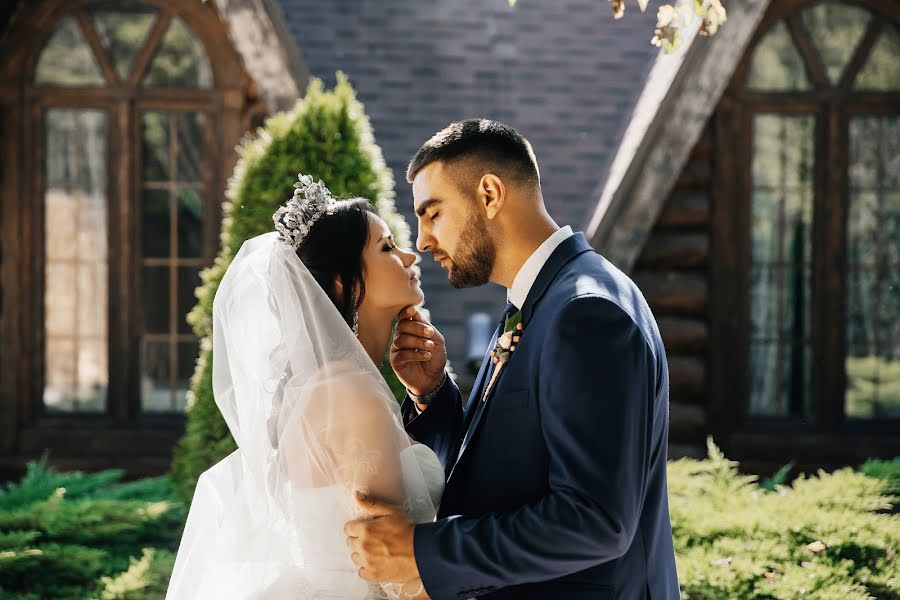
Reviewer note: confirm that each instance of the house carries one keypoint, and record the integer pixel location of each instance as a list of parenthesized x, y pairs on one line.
[(748, 183)]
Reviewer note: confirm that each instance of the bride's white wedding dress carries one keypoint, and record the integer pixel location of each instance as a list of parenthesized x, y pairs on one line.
[(314, 421), (327, 573), (333, 573)]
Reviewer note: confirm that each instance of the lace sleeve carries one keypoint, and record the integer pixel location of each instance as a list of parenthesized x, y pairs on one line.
[(360, 438)]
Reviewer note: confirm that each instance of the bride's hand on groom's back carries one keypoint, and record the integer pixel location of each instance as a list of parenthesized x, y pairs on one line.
[(418, 354)]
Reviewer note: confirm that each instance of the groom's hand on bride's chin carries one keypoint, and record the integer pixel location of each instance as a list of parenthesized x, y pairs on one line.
[(382, 545), (418, 353)]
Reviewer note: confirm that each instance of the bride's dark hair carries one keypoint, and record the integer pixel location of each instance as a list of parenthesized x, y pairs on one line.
[(333, 249)]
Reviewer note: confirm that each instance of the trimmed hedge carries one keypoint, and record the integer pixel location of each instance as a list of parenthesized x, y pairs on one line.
[(832, 536), (76, 536)]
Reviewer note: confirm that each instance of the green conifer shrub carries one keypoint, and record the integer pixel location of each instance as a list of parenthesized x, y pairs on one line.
[(328, 136)]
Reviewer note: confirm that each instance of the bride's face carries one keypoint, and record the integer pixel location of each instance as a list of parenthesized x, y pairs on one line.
[(392, 281)]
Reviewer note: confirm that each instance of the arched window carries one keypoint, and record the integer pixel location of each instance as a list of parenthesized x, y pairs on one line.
[(132, 109), (173, 199), (808, 235)]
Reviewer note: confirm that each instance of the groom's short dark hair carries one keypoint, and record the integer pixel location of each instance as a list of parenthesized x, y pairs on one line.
[(479, 145)]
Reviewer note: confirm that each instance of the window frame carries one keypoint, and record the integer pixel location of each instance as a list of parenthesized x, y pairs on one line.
[(122, 436), (761, 437)]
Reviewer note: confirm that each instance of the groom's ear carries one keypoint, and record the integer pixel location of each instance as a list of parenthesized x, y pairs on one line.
[(491, 194)]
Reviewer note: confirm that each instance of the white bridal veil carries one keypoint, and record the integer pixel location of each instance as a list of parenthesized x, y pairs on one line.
[(313, 420)]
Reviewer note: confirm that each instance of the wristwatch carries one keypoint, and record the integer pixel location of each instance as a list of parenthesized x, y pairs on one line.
[(427, 398)]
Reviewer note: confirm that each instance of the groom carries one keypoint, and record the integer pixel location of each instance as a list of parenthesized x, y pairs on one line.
[(556, 464)]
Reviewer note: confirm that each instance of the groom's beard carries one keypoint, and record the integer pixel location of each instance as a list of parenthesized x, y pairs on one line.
[(475, 255)]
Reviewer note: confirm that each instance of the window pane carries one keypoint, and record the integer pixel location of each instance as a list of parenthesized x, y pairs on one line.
[(776, 64), (190, 147), (882, 68), (188, 280), (873, 275), (66, 59), (76, 261), (155, 225), (123, 28), (155, 299), (783, 154), (781, 228), (190, 224), (156, 393), (173, 174), (180, 60), (61, 305), (836, 29), (156, 165)]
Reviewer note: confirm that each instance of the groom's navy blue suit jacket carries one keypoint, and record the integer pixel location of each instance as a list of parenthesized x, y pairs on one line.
[(557, 483)]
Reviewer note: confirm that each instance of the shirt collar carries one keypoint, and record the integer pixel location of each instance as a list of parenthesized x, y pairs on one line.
[(529, 272)]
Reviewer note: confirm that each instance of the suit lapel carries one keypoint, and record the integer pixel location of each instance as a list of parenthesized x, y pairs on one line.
[(475, 409), (487, 369), (484, 374)]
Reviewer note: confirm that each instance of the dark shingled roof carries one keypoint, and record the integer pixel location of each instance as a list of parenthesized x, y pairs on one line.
[(564, 73)]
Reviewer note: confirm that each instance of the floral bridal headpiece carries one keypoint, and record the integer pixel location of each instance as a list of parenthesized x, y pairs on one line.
[(310, 202)]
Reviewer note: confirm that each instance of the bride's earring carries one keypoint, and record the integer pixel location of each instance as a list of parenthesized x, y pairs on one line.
[(355, 326)]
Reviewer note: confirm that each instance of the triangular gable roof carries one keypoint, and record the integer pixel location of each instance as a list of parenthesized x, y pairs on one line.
[(680, 95)]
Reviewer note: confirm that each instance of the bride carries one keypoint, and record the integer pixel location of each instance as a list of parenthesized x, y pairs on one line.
[(301, 320)]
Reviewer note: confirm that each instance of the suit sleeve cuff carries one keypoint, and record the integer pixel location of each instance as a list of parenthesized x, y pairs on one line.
[(410, 410)]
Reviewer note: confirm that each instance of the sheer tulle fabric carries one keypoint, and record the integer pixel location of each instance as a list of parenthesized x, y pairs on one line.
[(314, 421)]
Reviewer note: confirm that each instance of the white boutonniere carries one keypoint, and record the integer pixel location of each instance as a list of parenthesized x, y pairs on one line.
[(506, 345)]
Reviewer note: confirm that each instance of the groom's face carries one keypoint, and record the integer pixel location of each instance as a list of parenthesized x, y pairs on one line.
[(452, 227)]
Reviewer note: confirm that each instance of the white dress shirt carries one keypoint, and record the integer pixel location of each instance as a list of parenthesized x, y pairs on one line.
[(529, 272)]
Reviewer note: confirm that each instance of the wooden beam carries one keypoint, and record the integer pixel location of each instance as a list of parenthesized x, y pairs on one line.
[(674, 292), (696, 175), (79, 440), (685, 209), (834, 449), (687, 422), (140, 64), (860, 54), (681, 93), (687, 380), (10, 284), (677, 250), (257, 31), (683, 335), (728, 280), (93, 39)]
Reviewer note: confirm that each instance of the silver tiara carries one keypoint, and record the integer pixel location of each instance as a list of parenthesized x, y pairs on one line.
[(294, 220)]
